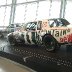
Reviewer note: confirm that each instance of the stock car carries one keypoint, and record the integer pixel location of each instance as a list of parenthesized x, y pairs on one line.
[(50, 33)]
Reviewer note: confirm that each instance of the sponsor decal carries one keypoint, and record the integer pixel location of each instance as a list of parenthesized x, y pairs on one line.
[(67, 38), (36, 38), (56, 32)]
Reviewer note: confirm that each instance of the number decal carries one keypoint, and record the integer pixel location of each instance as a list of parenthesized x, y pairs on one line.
[(27, 37)]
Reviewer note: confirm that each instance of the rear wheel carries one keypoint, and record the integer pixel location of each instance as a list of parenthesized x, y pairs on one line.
[(12, 40), (49, 43)]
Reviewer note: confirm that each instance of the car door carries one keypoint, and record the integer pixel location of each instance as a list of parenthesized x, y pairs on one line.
[(31, 33)]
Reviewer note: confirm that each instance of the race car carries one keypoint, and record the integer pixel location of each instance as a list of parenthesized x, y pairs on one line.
[(50, 33)]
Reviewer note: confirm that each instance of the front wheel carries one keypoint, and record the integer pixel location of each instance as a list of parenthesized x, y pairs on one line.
[(12, 40), (49, 43)]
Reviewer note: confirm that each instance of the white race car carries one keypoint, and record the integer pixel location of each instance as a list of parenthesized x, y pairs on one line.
[(50, 32)]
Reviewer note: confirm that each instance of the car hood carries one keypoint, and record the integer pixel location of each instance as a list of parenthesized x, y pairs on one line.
[(14, 33)]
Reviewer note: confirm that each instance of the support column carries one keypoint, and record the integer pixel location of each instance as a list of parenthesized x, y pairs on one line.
[(50, 8), (12, 15), (63, 6)]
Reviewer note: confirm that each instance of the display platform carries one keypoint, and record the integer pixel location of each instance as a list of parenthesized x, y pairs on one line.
[(38, 58)]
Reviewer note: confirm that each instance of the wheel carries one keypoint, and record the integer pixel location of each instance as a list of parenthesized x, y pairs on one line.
[(1, 36), (22, 39), (49, 43), (12, 40)]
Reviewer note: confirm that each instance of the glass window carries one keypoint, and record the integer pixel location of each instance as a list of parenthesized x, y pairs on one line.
[(19, 14), (53, 22), (4, 16), (58, 22), (2, 2), (31, 25), (68, 11), (55, 9), (9, 1), (7, 16), (2, 10), (31, 0), (43, 10), (31, 12), (20, 1)]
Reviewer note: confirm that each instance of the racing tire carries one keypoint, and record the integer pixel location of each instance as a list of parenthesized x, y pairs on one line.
[(12, 40), (49, 43)]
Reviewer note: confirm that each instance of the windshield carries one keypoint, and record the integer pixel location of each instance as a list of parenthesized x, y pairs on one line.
[(58, 22)]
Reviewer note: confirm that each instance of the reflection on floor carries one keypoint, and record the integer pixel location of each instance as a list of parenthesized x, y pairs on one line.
[(38, 58)]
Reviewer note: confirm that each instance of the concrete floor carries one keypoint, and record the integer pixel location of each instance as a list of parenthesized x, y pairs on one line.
[(39, 59), (7, 65)]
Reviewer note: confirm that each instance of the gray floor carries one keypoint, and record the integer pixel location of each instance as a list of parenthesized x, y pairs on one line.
[(7, 65), (61, 59)]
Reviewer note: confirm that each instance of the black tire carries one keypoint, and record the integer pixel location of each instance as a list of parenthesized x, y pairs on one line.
[(49, 43), (22, 39), (12, 40)]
